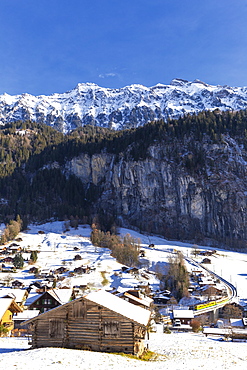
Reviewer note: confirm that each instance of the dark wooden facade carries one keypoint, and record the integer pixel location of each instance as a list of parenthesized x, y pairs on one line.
[(84, 324), (44, 302)]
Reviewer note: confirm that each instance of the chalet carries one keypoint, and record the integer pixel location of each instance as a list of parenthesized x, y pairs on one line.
[(38, 285), (212, 291), (45, 273), (49, 299), (77, 257), (19, 295), (78, 291), (161, 300), (14, 248), (7, 260), (206, 261), (80, 270), (135, 297), (99, 321), (60, 270), (33, 270), (8, 307), (184, 316), (17, 284)]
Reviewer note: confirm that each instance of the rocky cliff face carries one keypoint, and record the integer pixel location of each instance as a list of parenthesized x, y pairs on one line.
[(162, 195)]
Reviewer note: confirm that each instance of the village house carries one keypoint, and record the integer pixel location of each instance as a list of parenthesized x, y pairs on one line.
[(48, 299), (134, 296), (17, 284), (182, 316), (8, 307), (99, 321), (14, 248), (19, 295)]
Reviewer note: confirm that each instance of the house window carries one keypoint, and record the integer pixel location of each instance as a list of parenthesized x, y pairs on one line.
[(111, 329), (46, 301)]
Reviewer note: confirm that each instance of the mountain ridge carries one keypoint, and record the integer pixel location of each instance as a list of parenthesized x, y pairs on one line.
[(121, 108)]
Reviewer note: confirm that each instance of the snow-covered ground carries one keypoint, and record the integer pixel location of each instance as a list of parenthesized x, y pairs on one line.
[(186, 351), (178, 351)]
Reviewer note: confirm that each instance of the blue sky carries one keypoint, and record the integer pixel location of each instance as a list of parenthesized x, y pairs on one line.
[(49, 46)]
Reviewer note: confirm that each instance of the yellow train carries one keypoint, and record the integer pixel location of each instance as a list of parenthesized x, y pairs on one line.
[(211, 304)]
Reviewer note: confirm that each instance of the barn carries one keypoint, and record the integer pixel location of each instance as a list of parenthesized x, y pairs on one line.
[(99, 321)]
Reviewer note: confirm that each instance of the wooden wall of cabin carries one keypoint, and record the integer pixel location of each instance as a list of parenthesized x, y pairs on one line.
[(97, 328), (86, 325)]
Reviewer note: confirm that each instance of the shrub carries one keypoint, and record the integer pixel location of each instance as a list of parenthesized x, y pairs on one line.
[(196, 325), (3, 331), (167, 330)]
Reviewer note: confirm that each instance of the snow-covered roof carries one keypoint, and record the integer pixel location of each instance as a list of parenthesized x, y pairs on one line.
[(237, 322), (132, 312), (18, 294), (185, 314), (26, 315), (122, 307), (145, 301), (61, 295), (32, 297), (5, 303)]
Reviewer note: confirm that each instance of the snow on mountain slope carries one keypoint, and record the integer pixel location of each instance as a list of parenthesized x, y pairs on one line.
[(130, 106)]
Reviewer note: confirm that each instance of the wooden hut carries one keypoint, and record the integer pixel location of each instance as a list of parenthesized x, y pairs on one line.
[(99, 321)]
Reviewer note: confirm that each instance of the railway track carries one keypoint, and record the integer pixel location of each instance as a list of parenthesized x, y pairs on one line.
[(214, 304)]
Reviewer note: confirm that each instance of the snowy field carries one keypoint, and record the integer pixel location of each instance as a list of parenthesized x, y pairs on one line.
[(178, 351), (187, 351)]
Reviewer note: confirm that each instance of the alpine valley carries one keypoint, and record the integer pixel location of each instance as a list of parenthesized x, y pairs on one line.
[(169, 159)]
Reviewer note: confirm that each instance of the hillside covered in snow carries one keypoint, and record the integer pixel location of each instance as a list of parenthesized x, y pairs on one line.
[(181, 351)]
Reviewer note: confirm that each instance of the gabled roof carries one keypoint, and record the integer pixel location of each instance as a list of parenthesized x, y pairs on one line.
[(182, 314), (60, 295), (134, 313), (8, 304), (120, 306), (18, 294), (145, 301)]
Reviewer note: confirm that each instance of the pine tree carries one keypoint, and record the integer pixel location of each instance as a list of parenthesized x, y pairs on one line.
[(18, 261)]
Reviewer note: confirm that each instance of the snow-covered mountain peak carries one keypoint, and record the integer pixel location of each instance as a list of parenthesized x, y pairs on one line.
[(178, 82), (196, 81), (125, 107)]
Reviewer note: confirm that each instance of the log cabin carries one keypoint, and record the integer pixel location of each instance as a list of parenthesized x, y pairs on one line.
[(99, 321)]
